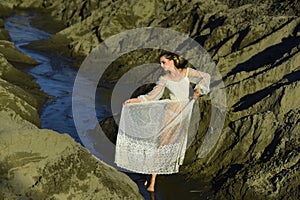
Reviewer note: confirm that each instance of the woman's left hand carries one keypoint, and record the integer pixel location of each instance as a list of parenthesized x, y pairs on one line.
[(197, 93), (133, 100)]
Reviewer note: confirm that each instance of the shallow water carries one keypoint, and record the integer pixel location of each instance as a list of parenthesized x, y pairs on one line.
[(56, 77)]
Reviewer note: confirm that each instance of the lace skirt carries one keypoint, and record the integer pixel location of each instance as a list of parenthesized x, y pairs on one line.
[(152, 136)]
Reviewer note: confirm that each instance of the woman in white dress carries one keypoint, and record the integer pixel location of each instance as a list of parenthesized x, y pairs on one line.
[(159, 144)]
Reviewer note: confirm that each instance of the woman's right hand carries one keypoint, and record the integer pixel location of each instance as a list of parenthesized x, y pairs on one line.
[(133, 100)]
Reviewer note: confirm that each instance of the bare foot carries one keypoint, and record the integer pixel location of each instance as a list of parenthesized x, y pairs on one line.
[(151, 183), (150, 188)]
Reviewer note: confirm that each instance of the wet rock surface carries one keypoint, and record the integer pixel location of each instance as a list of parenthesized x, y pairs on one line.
[(256, 48)]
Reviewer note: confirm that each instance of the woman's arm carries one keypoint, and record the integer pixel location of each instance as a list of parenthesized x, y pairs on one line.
[(202, 81), (155, 94)]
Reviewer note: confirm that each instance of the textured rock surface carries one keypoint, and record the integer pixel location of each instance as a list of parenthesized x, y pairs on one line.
[(19, 92), (43, 164), (256, 47), (4, 35), (13, 55)]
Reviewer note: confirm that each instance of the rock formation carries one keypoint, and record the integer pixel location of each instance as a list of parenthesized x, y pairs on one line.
[(43, 164), (256, 48)]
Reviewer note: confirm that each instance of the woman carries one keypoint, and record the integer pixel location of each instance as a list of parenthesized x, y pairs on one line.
[(152, 134)]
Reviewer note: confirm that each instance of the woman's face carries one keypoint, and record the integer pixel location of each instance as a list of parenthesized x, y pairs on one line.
[(166, 64)]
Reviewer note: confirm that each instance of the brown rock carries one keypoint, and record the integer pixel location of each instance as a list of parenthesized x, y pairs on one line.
[(256, 47), (40, 164)]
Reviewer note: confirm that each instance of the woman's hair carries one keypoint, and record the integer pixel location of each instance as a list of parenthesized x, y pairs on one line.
[(179, 61)]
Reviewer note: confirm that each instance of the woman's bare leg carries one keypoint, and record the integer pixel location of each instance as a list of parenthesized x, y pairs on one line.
[(152, 183)]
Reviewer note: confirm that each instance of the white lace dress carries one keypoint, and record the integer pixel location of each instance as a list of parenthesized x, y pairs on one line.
[(152, 135)]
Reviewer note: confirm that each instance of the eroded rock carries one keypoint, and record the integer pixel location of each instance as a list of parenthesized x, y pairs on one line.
[(41, 164), (13, 55), (256, 47)]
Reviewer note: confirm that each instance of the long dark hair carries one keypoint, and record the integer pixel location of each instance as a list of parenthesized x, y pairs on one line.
[(179, 61)]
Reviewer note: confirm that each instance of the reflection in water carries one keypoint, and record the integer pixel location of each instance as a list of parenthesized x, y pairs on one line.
[(152, 196)]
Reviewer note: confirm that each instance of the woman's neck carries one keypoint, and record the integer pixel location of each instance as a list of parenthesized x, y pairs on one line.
[(176, 74)]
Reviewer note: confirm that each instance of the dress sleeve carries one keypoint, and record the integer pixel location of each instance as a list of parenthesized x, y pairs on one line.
[(156, 92), (201, 79)]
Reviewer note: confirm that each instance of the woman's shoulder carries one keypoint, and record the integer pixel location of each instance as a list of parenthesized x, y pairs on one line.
[(162, 80), (193, 72)]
